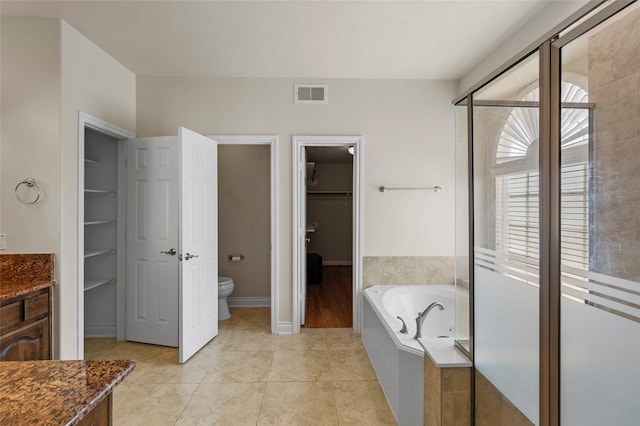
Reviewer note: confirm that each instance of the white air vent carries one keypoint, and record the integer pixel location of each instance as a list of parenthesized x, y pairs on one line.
[(311, 93)]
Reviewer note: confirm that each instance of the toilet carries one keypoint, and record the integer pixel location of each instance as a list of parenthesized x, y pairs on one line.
[(225, 288)]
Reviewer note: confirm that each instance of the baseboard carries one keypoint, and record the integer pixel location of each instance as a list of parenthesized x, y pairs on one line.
[(285, 328), (246, 302), (337, 263), (92, 331)]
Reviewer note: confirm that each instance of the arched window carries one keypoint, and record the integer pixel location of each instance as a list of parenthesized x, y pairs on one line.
[(517, 190)]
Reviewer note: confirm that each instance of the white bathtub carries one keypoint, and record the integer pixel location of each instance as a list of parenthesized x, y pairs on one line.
[(398, 358)]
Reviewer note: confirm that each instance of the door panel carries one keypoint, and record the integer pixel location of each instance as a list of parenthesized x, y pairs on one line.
[(152, 277), (198, 242)]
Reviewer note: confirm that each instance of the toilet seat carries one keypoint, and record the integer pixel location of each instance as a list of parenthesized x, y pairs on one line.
[(224, 281)]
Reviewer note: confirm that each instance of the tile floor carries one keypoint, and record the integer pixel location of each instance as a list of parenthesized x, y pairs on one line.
[(247, 376)]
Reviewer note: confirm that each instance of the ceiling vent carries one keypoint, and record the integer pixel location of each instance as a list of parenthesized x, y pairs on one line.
[(311, 93)]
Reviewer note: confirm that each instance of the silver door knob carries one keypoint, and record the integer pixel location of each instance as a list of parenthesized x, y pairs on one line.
[(189, 256), (171, 252)]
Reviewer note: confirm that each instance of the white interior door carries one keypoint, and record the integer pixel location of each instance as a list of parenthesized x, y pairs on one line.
[(198, 242), (303, 236), (151, 307)]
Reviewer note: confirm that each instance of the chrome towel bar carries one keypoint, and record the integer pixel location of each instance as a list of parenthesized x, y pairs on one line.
[(386, 188)]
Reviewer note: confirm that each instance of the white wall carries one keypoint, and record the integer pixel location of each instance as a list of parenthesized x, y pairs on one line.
[(408, 141)]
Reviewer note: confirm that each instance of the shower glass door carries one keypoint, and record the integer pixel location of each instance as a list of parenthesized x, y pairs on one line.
[(600, 224), (506, 247)]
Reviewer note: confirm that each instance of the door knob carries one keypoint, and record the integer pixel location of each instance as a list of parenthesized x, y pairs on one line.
[(171, 252), (189, 256)]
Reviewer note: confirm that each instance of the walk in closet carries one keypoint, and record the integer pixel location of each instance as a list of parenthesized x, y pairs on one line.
[(102, 233)]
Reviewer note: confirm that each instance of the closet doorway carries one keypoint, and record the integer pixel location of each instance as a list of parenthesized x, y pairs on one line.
[(329, 237), (327, 224)]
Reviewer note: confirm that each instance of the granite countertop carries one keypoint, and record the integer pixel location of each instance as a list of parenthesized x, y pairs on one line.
[(23, 273), (56, 392)]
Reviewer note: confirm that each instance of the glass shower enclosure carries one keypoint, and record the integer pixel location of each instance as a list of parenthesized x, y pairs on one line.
[(548, 230)]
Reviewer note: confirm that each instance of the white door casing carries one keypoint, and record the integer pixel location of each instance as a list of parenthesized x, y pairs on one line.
[(198, 242), (302, 234), (151, 312)]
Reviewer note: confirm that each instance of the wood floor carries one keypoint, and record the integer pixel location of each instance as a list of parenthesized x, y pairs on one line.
[(329, 304)]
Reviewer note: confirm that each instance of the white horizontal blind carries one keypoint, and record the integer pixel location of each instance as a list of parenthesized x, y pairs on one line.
[(517, 215)]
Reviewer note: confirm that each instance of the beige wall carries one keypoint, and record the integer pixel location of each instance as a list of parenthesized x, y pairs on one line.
[(30, 132), (408, 133), (49, 72), (333, 214), (244, 218), (614, 87)]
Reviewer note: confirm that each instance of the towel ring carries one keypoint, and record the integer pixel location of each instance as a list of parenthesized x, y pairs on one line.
[(30, 183)]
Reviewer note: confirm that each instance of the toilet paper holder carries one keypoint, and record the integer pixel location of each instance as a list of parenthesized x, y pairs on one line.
[(236, 257)]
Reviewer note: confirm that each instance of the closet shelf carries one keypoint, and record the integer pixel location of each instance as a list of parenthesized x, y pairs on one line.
[(91, 283), (89, 191), (93, 253), (99, 222)]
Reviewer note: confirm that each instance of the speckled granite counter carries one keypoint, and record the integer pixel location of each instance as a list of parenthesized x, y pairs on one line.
[(23, 273), (56, 392)]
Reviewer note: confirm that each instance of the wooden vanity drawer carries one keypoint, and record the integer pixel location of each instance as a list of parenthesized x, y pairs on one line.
[(29, 343), (25, 327), (17, 313)]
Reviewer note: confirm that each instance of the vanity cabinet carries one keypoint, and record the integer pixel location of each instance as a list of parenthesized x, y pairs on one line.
[(100, 415), (25, 327)]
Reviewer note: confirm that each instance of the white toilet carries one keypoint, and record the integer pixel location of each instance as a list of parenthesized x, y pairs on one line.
[(225, 288)]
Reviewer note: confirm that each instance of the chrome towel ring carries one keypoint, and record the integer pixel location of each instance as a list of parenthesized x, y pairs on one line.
[(29, 183)]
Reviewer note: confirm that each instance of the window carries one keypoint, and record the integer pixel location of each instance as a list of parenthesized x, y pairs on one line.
[(517, 193)]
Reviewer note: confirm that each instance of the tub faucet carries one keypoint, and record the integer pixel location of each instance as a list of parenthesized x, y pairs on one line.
[(403, 330), (422, 315)]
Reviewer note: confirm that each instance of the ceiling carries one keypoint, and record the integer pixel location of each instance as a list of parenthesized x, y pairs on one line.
[(303, 39)]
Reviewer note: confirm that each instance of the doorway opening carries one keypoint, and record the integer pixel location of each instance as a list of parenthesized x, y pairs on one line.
[(329, 237), (327, 232), (247, 220), (101, 189)]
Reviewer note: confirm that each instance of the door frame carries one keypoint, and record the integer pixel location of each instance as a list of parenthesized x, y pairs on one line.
[(299, 250), (88, 121), (272, 142)]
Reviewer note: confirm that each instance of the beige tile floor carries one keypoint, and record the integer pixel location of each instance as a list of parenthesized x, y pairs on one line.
[(247, 376)]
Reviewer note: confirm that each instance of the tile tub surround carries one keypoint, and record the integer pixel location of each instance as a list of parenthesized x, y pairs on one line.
[(493, 408), (407, 270), (447, 395), (56, 392), (24, 273), (247, 376)]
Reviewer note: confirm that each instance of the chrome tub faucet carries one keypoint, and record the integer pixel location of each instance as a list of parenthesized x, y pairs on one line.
[(422, 315)]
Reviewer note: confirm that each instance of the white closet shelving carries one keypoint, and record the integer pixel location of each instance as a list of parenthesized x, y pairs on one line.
[(102, 267)]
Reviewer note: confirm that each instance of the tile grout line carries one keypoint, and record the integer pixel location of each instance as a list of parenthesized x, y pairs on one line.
[(264, 392)]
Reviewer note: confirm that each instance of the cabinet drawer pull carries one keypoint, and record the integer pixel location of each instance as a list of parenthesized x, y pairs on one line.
[(25, 309)]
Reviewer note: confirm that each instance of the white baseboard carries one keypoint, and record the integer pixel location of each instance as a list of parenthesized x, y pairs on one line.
[(246, 302), (285, 328), (337, 263), (92, 331)]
